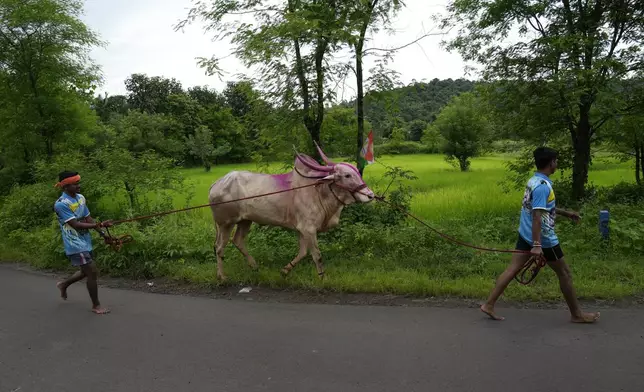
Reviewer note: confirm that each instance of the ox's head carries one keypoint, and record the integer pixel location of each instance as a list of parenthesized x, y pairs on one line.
[(345, 179)]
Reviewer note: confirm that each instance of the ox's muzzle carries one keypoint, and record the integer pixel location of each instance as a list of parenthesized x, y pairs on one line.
[(358, 190)]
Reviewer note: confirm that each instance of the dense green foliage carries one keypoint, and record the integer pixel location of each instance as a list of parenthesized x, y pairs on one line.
[(564, 74)]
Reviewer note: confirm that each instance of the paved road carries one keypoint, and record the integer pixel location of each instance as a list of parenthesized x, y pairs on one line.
[(161, 343)]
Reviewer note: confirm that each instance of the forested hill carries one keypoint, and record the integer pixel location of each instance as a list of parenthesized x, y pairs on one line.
[(415, 102)]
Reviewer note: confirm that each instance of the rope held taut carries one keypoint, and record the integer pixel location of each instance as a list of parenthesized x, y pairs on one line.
[(116, 243), (536, 262)]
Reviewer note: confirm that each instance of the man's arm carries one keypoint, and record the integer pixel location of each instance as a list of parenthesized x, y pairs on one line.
[(536, 226), (563, 213), (574, 216), (83, 224), (539, 207), (89, 219)]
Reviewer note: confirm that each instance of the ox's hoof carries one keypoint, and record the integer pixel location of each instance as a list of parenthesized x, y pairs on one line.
[(222, 277), (284, 272), (321, 275)]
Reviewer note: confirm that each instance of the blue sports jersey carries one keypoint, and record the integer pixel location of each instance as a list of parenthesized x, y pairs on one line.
[(539, 195), (68, 208)]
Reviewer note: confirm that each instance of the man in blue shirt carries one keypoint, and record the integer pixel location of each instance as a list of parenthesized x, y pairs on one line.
[(537, 237), (75, 221)]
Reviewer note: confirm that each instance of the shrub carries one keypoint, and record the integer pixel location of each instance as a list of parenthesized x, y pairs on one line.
[(623, 193), (27, 207)]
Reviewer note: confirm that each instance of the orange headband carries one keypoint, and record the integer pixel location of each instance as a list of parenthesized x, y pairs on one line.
[(68, 181)]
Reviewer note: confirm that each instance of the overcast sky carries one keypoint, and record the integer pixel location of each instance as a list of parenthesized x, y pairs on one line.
[(140, 39)]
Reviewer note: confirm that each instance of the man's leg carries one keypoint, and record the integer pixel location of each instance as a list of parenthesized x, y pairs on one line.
[(62, 286), (518, 261), (568, 290), (92, 287)]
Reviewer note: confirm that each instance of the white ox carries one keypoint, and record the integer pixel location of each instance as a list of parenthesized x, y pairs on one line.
[(308, 210)]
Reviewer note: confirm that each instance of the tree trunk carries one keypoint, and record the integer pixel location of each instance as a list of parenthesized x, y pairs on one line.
[(304, 85), (580, 167), (360, 83), (639, 162), (638, 156), (642, 159), (360, 104), (464, 163), (316, 124), (45, 132), (131, 195), (581, 160)]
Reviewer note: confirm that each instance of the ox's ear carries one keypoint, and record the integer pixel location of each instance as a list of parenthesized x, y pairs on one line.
[(328, 178)]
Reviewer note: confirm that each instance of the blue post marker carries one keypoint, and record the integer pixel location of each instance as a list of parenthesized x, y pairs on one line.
[(604, 217)]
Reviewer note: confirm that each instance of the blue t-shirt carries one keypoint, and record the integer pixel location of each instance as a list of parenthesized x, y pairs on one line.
[(539, 195), (68, 208)]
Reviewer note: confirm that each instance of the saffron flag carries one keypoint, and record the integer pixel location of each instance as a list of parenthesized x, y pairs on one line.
[(366, 153)]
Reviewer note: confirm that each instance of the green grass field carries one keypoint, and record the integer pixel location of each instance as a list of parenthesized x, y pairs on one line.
[(440, 192), (471, 206)]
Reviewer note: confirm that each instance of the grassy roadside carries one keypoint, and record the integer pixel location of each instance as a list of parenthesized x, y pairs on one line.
[(402, 259)]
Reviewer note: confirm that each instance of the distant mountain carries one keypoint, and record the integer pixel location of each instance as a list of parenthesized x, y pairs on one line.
[(418, 101)]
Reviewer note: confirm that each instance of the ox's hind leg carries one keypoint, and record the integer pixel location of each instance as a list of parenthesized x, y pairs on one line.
[(316, 254), (301, 254), (223, 236), (239, 239)]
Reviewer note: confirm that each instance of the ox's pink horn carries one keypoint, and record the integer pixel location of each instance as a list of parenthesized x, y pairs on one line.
[(323, 156), (314, 166)]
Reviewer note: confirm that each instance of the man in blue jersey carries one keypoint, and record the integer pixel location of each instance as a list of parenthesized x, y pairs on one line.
[(75, 222), (537, 236)]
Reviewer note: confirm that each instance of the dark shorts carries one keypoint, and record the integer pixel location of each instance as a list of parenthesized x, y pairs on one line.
[(552, 254), (80, 259)]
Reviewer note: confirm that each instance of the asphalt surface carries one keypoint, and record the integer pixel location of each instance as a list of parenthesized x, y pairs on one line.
[(153, 342)]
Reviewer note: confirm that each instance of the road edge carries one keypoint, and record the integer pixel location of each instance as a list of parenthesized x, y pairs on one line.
[(167, 286)]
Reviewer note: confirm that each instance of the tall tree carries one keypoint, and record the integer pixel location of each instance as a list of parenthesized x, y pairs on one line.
[(109, 105), (240, 97), (151, 94), (465, 129), (289, 41), (365, 16), (569, 52), (206, 96), (626, 134), (201, 147), (46, 79)]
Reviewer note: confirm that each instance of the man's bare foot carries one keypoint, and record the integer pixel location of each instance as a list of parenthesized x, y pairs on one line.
[(585, 318), (63, 291), (489, 310), (100, 310)]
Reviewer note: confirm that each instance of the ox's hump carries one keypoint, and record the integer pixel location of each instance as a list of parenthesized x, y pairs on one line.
[(241, 180)]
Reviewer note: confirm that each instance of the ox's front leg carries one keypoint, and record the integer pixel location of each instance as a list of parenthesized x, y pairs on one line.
[(302, 253), (223, 236)]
